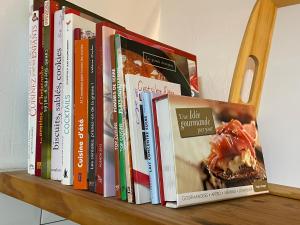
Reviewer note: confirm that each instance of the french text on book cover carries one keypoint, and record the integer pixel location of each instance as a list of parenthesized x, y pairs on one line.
[(217, 145)]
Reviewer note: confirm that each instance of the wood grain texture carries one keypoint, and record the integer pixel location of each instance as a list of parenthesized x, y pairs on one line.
[(89, 208), (256, 44), (283, 3), (284, 191)]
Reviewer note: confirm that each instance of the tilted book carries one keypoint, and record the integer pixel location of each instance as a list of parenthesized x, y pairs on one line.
[(141, 56), (135, 85), (71, 21), (33, 89), (56, 147), (207, 151)]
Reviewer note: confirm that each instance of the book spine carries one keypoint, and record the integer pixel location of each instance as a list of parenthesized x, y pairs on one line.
[(81, 114), (32, 89), (99, 131), (119, 76), (115, 119), (68, 100), (158, 150), (40, 96), (49, 8), (92, 114), (150, 146), (56, 147)]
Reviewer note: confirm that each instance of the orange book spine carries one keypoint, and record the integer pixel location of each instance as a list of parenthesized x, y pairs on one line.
[(81, 114)]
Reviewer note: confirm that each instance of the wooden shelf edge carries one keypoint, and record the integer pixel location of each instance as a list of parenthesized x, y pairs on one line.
[(79, 206), (88, 208), (284, 191)]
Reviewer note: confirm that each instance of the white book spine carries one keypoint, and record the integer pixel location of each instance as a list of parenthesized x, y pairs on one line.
[(68, 111), (56, 147), (32, 88)]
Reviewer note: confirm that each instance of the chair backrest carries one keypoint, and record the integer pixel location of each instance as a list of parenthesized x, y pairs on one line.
[(256, 45)]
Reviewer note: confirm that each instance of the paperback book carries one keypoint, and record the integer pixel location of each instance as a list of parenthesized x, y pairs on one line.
[(207, 151), (150, 144)]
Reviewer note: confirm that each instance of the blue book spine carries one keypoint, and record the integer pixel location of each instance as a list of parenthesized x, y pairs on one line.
[(150, 146)]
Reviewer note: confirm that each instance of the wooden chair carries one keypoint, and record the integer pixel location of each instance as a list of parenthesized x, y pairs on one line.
[(256, 45)]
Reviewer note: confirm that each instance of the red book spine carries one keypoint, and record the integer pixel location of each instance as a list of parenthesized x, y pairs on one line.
[(160, 175), (39, 134), (99, 115)]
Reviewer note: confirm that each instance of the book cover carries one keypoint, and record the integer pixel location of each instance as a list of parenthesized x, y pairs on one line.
[(33, 89), (143, 57), (49, 9), (92, 115), (71, 21), (208, 151), (56, 147), (81, 89), (135, 85), (106, 178)]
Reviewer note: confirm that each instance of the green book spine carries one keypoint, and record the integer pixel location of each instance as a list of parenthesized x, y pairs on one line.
[(49, 8), (120, 118)]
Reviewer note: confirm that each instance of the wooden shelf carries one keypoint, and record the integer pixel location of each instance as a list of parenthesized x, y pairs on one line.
[(88, 208)]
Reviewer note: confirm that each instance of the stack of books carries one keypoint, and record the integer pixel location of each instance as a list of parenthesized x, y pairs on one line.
[(119, 114)]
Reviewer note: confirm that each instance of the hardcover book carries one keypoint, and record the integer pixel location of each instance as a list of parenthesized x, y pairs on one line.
[(71, 21), (48, 37), (143, 57), (56, 147), (92, 115), (107, 181), (135, 85), (33, 89), (81, 90), (207, 151), (40, 96)]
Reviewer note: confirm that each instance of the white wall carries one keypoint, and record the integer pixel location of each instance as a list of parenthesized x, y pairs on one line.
[(212, 30), (141, 16), (13, 85), (279, 117)]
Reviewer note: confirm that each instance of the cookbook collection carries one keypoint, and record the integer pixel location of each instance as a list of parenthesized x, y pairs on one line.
[(119, 114)]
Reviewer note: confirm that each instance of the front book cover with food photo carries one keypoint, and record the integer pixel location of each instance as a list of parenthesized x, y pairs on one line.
[(214, 153)]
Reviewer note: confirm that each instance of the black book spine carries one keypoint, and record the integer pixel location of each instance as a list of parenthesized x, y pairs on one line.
[(92, 115)]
